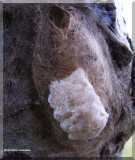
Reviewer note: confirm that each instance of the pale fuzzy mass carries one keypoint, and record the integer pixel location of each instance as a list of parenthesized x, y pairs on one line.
[(77, 106)]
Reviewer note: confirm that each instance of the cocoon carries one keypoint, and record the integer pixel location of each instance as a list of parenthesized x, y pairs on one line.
[(77, 106)]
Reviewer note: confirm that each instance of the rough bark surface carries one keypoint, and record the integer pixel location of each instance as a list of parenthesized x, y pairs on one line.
[(47, 42)]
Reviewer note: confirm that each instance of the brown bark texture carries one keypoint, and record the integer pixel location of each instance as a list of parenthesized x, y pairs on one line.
[(48, 42)]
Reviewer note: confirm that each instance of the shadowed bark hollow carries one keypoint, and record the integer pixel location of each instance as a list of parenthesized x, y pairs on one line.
[(45, 43)]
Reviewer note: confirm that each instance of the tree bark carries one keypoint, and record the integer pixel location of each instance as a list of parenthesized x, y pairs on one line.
[(44, 43)]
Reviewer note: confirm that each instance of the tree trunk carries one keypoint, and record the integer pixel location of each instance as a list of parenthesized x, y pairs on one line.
[(44, 45)]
